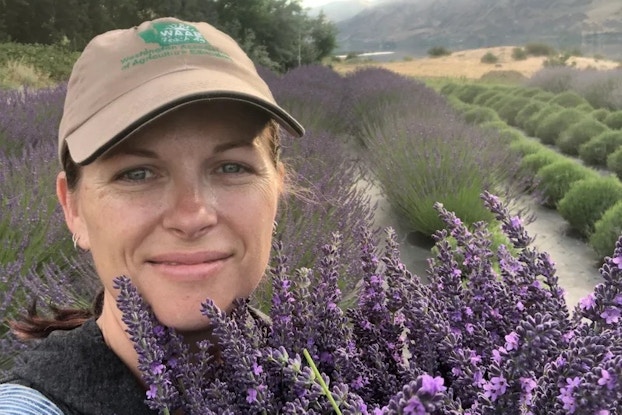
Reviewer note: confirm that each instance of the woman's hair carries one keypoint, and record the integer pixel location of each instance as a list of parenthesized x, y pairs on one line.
[(36, 326)]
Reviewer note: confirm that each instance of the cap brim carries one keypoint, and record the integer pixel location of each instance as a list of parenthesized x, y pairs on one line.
[(145, 103)]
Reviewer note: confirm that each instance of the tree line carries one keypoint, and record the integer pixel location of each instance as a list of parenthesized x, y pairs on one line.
[(277, 34)]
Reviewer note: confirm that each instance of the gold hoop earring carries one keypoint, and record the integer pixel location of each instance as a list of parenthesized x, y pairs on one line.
[(74, 239)]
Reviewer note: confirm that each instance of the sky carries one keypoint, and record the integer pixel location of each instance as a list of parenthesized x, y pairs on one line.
[(314, 3)]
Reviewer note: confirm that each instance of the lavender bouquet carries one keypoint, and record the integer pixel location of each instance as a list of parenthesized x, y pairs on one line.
[(489, 334)]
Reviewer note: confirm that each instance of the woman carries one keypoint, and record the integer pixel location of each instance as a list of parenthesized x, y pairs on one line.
[(169, 144)]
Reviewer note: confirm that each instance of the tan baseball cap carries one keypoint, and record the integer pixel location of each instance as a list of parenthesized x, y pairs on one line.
[(126, 78)]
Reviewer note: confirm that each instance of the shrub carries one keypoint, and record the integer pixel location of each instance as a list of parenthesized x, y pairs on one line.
[(489, 57), (526, 146), (544, 96), (509, 134), (595, 151), (532, 163), (614, 163), (587, 200), (494, 101), (519, 54), (478, 115), (571, 139), (600, 114), (614, 120), (527, 111), (449, 88), (536, 119), (55, 60), (468, 92), (495, 125), (528, 92), (539, 49), (553, 125), (569, 99), (607, 230), (511, 108), (555, 179), (482, 98), (16, 74), (438, 51)]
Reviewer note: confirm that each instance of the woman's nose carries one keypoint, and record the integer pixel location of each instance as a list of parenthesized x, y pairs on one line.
[(192, 211)]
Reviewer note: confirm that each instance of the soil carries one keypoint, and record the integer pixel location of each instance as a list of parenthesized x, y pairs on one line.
[(575, 261), (467, 64)]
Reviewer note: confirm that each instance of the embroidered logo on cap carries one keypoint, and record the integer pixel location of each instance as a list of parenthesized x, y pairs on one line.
[(166, 34), (173, 39)]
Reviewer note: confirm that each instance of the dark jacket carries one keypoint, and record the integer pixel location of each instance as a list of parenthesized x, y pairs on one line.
[(78, 372)]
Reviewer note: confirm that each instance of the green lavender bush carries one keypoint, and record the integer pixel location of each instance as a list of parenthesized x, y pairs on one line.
[(587, 200), (571, 139)]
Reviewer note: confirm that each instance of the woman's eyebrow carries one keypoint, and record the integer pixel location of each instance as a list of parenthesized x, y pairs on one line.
[(219, 148)]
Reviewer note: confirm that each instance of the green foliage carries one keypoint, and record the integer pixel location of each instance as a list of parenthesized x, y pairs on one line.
[(571, 139), (614, 120), (530, 126), (53, 60), (510, 109), (482, 98), (527, 111), (490, 58), (569, 99), (528, 92), (554, 180), (600, 114), (17, 75), (468, 92), (525, 146), (449, 88), (587, 200), (495, 101), (438, 51), (614, 163), (607, 230), (531, 163), (557, 60), (539, 49), (544, 96), (510, 135), (519, 54), (276, 34), (553, 125), (478, 115), (595, 151)]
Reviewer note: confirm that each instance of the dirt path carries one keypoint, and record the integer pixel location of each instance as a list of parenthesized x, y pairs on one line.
[(574, 259)]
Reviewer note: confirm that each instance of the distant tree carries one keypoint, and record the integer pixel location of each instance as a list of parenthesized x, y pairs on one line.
[(519, 54), (438, 51), (275, 33), (489, 57), (539, 49)]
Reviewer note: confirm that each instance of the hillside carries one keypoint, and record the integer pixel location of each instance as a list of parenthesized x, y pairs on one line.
[(467, 64), (416, 25)]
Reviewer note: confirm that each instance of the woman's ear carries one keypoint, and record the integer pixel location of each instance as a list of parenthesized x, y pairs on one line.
[(68, 201)]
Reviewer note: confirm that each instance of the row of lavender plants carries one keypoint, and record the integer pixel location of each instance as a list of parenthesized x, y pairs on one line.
[(489, 334), (565, 164)]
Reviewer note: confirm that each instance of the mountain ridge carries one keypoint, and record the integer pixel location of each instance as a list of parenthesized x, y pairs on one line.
[(594, 26)]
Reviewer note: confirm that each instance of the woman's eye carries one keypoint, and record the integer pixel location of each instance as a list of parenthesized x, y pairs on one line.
[(232, 168), (135, 175)]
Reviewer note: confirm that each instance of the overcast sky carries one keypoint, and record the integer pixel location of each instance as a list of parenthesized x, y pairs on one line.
[(313, 3)]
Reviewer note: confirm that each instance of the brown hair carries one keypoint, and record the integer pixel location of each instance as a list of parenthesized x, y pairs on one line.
[(35, 326)]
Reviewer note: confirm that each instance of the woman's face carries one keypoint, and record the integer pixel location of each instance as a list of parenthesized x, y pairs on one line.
[(185, 208)]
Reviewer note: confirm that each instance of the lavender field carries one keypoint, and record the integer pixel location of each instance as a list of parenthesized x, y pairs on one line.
[(489, 332)]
